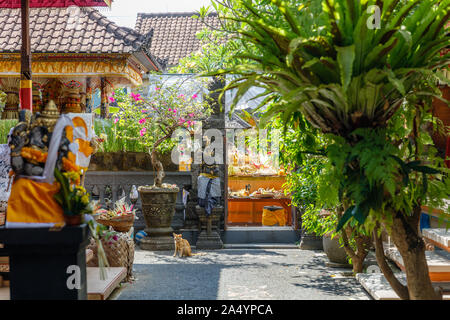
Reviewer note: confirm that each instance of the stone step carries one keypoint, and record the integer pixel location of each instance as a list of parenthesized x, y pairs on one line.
[(380, 289), (439, 237), (261, 246), (260, 235), (101, 289), (438, 263)]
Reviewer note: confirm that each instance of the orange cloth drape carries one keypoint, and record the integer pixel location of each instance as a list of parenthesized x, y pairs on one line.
[(33, 202), (270, 218)]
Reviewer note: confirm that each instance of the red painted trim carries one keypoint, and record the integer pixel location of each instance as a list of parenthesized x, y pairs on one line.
[(154, 66), (26, 98)]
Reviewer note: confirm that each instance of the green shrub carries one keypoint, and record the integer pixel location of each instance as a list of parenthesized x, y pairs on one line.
[(5, 127)]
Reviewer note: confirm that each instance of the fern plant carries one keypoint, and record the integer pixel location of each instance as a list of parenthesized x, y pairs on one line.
[(358, 82)]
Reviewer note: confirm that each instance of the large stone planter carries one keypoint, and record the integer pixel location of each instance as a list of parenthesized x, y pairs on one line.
[(158, 209), (335, 253), (311, 241)]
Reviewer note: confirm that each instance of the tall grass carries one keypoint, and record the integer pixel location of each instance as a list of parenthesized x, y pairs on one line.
[(117, 140), (5, 127)]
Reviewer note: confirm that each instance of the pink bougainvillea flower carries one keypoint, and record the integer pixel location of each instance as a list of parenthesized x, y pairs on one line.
[(113, 93), (191, 115), (144, 110), (143, 131), (170, 109), (116, 120), (194, 96), (157, 88), (142, 121), (136, 96), (112, 99), (181, 96), (174, 110)]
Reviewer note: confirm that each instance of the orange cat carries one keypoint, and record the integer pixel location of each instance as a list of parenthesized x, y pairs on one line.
[(183, 247)]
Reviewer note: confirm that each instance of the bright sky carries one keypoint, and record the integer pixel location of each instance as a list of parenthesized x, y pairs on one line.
[(124, 12)]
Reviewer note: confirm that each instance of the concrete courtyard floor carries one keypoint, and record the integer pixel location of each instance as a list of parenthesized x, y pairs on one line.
[(239, 274)]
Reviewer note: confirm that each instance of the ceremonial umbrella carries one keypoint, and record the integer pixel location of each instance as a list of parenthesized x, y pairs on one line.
[(25, 5)]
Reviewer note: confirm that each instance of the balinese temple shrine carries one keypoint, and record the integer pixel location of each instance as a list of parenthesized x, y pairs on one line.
[(75, 51)]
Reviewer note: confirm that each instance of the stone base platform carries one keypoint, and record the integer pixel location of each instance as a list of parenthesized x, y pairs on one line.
[(209, 241), (379, 288), (157, 243)]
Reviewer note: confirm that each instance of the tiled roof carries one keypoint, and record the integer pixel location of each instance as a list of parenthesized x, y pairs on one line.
[(83, 30), (174, 34)]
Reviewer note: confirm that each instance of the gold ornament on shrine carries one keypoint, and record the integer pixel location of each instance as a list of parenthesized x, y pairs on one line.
[(73, 101), (49, 116)]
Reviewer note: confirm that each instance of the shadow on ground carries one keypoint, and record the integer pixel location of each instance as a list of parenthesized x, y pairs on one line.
[(238, 274)]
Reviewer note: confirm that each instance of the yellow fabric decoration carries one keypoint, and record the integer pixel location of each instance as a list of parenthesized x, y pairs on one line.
[(36, 199), (270, 218)]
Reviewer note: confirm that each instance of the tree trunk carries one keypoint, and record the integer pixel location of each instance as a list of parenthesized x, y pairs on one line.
[(157, 165), (397, 286), (362, 249), (405, 234)]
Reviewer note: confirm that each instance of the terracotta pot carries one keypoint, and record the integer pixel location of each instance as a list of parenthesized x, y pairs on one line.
[(74, 220)]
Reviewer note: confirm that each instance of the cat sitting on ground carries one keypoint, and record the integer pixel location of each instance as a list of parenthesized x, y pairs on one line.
[(182, 247)]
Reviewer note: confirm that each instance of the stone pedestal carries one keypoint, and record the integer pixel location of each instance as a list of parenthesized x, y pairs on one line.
[(209, 237), (47, 264), (159, 239)]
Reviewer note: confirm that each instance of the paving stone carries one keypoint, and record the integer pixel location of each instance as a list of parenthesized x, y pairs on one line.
[(276, 274), (379, 288)]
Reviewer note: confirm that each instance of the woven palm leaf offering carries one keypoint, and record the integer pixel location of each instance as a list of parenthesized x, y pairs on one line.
[(121, 218)]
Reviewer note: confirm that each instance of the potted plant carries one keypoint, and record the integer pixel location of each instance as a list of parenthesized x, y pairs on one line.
[(332, 243), (157, 116), (73, 198)]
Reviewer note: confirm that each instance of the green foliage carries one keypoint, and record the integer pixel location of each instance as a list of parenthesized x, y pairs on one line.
[(142, 124), (314, 222), (367, 90), (73, 199), (339, 74), (215, 53), (5, 127)]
